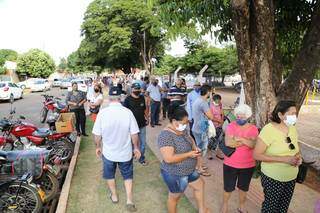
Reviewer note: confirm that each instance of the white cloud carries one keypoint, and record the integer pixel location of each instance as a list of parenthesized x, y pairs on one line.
[(50, 25)]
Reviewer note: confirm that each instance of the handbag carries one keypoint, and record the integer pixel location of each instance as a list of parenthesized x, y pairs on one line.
[(303, 170), (94, 110), (227, 151)]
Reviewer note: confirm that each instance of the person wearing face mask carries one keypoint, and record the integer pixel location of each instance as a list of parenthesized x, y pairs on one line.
[(279, 152), (239, 167), (95, 101), (137, 104), (154, 93), (179, 153)]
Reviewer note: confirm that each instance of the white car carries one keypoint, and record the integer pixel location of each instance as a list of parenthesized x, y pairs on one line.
[(56, 82), (40, 86), (27, 83), (82, 86), (65, 83), (10, 91)]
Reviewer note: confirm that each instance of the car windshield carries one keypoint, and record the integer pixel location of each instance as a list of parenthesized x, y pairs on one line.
[(39, 82)]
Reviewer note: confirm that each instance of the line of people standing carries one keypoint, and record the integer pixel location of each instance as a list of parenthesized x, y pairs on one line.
[(184, 150)]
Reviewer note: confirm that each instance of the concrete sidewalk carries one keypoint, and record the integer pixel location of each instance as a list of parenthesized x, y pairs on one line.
[(303, 201)]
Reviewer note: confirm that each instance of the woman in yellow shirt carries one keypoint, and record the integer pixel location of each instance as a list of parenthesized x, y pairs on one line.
[(278, 150)]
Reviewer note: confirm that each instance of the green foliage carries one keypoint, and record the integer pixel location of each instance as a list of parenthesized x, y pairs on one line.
[(7, 55), (35, 63), (221, 62), (292, 19), (63, 64), (113, 34), (2, 70)]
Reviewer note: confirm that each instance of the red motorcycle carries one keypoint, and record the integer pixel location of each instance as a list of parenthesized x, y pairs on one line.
[(51, 104), (27, 134)]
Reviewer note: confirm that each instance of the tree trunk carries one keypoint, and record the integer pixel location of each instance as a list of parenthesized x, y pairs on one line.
[(253, 23), (305, 65), (261, 71)]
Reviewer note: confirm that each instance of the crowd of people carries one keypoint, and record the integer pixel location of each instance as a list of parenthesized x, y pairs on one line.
[(185, 143)]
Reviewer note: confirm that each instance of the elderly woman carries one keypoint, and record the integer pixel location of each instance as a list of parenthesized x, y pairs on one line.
[(180, 153), (75, 100), (238, 168), (278, 150)]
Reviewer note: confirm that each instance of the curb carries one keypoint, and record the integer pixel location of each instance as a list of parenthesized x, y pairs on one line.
[(63, 200)]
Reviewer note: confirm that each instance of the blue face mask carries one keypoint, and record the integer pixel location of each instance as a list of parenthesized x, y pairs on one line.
[(241, 122)]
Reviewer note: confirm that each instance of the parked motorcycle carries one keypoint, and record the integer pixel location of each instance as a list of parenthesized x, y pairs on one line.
[(51, 104), (34, 161), (19, 194), (28, 135)]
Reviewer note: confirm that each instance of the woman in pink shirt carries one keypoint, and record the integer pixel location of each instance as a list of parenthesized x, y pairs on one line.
[(238, 168)]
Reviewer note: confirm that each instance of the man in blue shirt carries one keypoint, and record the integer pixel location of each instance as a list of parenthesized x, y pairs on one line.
[(192, 96)]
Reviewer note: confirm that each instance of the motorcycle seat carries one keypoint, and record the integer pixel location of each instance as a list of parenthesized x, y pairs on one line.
[(42, 132)]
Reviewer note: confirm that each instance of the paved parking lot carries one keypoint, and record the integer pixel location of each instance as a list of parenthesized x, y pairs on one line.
[(30, 106)]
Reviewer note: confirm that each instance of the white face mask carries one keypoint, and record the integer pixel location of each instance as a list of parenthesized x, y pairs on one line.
[(181, 127), (290, 120)]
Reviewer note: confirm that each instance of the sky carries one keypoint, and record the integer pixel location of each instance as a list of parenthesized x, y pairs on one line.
[(50, 25)]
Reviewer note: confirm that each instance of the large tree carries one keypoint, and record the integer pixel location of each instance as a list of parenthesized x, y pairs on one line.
[(272, 37), (6, 55), (35, 63), (121, 34), (221, 62)]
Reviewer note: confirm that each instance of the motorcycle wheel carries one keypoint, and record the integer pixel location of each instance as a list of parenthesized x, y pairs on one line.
[(28, 200), (43, 115), (63, 149), (49, 183)]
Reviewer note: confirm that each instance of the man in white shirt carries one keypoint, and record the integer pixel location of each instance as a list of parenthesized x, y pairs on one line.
[(117, 129)]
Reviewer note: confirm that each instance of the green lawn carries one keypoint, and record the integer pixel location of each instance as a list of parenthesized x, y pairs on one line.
[(88, 191)]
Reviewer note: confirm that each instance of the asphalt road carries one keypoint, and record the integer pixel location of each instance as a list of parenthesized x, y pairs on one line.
[(30, 106)]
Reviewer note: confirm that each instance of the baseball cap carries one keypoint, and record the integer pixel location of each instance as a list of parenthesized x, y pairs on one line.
[(114, 91), (136, 86)]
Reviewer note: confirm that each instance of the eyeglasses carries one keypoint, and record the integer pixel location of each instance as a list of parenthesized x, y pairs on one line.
[(291, 145)]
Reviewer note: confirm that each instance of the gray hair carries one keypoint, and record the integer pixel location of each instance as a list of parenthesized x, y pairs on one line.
[(114, 97), (243, 109)]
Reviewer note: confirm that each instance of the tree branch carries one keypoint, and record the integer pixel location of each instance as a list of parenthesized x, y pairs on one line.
[(305, 65)]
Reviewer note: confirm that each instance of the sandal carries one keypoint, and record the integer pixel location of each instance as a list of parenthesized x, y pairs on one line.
[(204, 167), (113, 201), (240, 211), (221, 158), (131, 207), (204, 173)]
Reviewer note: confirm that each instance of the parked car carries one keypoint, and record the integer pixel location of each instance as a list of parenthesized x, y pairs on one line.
[(10, 91), (27, 83), (65, 83), (56, 82), (40, 86), (82, 86)]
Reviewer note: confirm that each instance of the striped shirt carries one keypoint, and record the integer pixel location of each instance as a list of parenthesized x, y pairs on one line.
[(177, 93)]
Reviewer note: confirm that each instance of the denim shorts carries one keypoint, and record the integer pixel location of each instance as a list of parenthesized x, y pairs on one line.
[(178, 184), (109, 169)]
